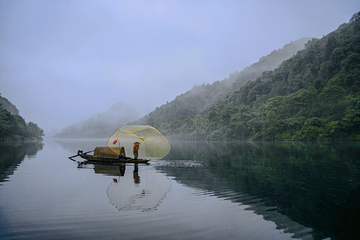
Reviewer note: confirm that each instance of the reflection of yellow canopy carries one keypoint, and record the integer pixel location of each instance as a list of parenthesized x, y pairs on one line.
[(152, 143), (146, 195)]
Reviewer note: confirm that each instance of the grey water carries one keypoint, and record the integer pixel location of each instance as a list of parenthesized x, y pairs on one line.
[(200, 190)]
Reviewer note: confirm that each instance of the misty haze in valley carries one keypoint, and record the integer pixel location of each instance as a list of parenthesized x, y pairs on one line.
[(120, 114), (64, 64), (101, 125)]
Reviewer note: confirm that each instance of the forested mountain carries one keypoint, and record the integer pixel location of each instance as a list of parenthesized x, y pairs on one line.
[(311, 96), (13, 126), (178, 115)]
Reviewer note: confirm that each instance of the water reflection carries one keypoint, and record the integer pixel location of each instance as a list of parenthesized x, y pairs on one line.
[(312, 190), (135, 187), (12, 154)]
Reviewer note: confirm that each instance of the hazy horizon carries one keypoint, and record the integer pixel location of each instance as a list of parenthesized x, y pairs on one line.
[(65, 61)]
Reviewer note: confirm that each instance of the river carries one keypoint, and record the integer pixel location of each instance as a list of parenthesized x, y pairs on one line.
[(216, 190)]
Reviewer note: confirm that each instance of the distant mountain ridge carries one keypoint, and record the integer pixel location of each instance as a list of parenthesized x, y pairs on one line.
[(174, 117), (101, 125), (270, 61)]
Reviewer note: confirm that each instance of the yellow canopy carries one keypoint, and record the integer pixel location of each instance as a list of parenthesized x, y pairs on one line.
[(152, 143)]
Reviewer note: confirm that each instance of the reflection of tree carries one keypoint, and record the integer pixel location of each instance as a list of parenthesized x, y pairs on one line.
[(12, 154), (316, 185)]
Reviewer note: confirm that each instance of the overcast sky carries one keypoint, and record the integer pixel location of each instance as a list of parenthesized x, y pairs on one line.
[(61, 62)]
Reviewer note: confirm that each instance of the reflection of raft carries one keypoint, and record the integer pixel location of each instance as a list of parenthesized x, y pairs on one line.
[(104, 154), (139, 190)]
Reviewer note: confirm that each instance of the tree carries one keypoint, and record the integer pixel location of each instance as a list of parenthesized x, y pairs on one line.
[(271, 126), (33, 130), (331, 44), (6, 122)]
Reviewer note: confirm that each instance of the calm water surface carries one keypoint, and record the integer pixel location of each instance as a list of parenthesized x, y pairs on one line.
[(239, 190)]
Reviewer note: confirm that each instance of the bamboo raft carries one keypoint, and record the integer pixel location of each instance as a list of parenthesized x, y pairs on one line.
[(104, 154)]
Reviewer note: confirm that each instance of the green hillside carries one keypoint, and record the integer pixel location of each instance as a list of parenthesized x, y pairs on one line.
[(311, 96), (177, 116), (13, 126)]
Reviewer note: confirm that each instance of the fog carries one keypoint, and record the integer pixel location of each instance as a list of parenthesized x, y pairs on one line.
[(62, 62)]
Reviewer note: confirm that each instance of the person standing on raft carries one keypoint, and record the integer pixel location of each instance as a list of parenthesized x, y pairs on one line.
[(136, 149)]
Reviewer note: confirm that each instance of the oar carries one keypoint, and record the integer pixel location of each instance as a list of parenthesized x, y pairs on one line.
[(78, 155), (74, 156)]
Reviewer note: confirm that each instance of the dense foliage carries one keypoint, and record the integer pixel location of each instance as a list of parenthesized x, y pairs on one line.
[(14, 126), (312, 96)]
